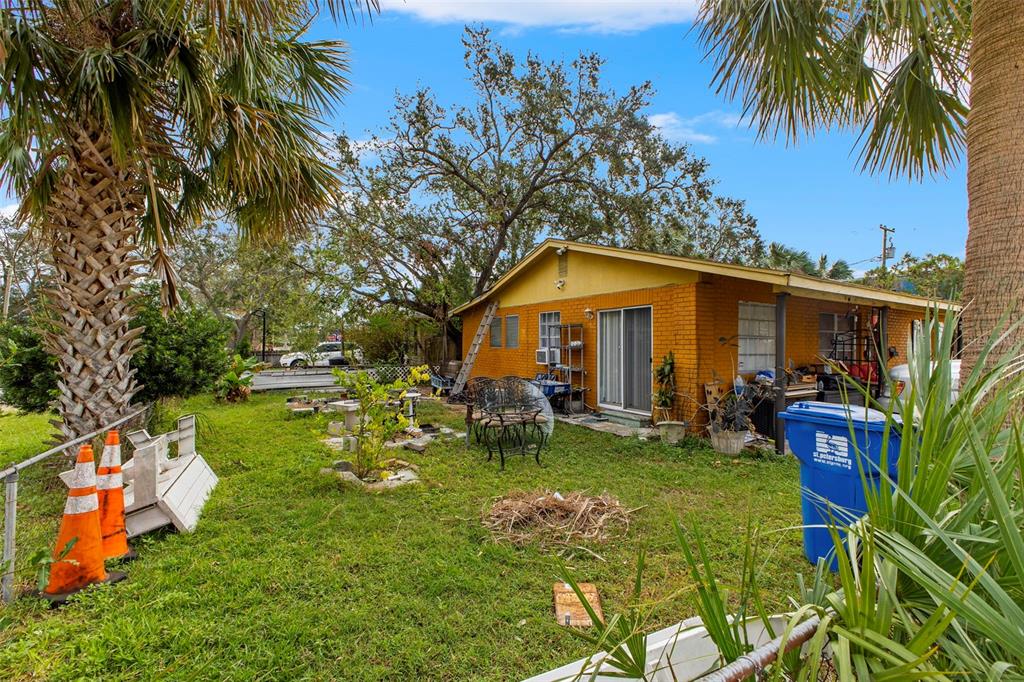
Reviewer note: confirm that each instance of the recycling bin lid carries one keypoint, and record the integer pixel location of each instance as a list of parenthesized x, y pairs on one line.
[(835, 413)]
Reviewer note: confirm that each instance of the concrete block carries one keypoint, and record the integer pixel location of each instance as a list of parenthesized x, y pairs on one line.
[(418, 444)]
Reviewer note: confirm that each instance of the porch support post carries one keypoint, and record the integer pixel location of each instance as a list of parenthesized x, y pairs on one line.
[(883, 352), (780, 371)]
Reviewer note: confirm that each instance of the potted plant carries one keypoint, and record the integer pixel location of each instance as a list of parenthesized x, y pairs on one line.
[(730, 422), (664, 400)]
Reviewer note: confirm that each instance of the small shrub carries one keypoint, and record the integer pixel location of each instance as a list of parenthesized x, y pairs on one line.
[(181, 354), (378, 420), (665, 395), (236, 384)]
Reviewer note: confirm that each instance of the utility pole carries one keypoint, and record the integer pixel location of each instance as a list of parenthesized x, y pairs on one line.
[(888, 251)]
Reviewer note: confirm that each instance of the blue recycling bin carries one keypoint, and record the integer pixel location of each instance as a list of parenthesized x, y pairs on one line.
[(819, 436)]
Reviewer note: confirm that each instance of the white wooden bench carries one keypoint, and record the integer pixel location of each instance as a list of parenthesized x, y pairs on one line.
[(162, 490)]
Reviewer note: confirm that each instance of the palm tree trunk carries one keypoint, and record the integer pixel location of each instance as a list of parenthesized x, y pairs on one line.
[(92, 225), (994, 269)]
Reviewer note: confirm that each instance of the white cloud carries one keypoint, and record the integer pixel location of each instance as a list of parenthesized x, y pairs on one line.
[(9, 210), (699, 129), (600, 16)]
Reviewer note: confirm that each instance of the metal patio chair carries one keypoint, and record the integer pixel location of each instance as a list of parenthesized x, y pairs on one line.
[(515, 417)]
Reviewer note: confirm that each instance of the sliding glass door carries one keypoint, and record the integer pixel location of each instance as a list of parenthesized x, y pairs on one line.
[(624, 358), (609, 365)]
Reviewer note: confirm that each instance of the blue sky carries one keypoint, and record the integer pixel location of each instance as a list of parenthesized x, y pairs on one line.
[(811, 196)]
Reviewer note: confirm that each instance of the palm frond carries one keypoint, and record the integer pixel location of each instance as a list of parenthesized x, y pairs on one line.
[(221, 103), (315, 71), (776, 57), (895, 71), (916, 125)]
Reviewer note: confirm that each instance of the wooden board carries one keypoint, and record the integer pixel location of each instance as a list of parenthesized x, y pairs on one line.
[(144, 520), (802, 391), (569, 609), (185, 495), (181, 493), (713, 392)]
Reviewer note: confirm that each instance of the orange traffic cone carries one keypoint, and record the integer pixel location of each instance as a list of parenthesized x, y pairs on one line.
[(82, 564), (110, 490)]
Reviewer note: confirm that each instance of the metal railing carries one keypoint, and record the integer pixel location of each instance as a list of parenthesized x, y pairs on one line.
[(10, 477)]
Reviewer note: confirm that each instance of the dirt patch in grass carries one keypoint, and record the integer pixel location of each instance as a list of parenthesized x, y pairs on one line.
[(550, 518)]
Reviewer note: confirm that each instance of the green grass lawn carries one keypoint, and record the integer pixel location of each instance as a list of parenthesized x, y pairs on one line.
[(292, 576)]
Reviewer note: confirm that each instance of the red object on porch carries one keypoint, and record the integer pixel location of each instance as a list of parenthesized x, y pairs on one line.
[(864, 372)]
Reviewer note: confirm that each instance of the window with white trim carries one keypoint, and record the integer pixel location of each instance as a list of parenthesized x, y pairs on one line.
[(512, 331), (496, 332), (837, 337), (550, 335), (756, 337)]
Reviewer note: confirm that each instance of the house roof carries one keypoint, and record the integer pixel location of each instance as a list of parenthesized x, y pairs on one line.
[(782, 281)]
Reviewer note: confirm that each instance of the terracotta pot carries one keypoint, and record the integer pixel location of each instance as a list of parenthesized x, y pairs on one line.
[(728, 442)]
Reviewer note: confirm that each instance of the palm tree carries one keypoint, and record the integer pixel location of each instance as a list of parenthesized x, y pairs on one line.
[(782, 257), (124, 123), (837, 269), (899, 72)]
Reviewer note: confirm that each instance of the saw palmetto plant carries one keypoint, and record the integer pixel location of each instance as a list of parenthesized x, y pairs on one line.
[(124, 122), (930, 581)]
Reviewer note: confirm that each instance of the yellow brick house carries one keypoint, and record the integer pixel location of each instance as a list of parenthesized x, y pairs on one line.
[(630, 308)]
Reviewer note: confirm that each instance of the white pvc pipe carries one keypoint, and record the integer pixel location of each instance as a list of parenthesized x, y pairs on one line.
[(759, 658)]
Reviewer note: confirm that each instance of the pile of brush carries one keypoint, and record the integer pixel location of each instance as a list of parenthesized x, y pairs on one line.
[(551, 518)]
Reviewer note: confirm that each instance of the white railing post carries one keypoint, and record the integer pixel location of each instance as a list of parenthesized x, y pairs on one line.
[(10, 519)]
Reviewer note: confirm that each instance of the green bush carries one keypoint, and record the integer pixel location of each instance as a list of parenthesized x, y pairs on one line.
[(28, 375), (181, 354)]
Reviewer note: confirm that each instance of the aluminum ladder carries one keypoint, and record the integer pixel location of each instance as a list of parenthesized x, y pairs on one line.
[(474, 349)]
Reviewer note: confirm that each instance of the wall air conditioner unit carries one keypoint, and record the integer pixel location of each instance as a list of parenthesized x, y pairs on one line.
[(549, 356)]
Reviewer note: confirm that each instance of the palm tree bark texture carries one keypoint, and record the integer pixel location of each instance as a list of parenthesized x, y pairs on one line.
[(93, 223), (994, 269)]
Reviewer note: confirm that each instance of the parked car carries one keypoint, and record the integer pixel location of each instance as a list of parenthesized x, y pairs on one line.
[(328, 354), (899, 383)]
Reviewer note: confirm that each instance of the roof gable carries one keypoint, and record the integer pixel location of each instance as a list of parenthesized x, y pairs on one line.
[(654, 268)]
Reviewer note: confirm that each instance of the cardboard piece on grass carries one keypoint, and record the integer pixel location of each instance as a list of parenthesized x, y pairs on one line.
[(569, 610)]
